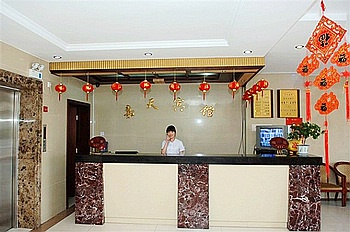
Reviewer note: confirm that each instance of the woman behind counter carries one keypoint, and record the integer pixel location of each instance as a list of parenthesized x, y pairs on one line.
[(171, 146)]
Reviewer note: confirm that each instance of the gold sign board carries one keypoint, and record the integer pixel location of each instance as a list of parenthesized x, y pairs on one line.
[(288, 103), (262, 104)]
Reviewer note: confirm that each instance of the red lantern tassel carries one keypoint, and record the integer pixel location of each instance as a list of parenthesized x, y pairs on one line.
[(347, 101), (87, 97), (326, 147), (174, 95), (203, 96), (308, 105)]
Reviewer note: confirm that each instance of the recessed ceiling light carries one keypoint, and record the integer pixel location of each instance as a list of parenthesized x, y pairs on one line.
[(57, 57), (247, 51), (148, 54), (299, 46)]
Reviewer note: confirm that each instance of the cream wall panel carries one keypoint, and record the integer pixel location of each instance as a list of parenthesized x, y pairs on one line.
[(140, 193), (248, 195)]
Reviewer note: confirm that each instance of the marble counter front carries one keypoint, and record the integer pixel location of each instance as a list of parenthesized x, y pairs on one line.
[(273, 186)]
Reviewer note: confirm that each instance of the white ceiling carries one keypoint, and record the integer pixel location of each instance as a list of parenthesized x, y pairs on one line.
[(81, 30)]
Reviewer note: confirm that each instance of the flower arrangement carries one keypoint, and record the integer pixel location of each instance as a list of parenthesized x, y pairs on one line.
[(305, 130)]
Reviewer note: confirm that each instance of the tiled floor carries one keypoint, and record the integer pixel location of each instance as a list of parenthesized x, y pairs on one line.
[(334, 218)]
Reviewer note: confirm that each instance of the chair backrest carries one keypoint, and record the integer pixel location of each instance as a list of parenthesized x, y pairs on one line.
[(332, 175), (344, 168)]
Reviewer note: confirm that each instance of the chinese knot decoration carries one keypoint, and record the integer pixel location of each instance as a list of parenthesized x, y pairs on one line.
[(233, 86), (116, 87), (308, 65), (327, 103), (88, 88), (60, 88), (342, 57), (175, 87), (204, 87), (327, 78), (325, 39), (346, 75), (145, 85)]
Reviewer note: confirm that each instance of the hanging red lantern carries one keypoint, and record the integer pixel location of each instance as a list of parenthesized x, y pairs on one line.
[(233, 86), (145, 85), (116, 86), (263, 84), (204, 87), (88, 88), (60, 88), (174, 87)]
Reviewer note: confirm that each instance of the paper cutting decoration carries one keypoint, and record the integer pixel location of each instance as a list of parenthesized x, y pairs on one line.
[(325, 39), (308, 65), (327, 78), (342, 57), (327, 103)]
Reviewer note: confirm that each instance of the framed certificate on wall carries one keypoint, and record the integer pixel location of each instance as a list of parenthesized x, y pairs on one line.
[(288, 103), (262, 104)]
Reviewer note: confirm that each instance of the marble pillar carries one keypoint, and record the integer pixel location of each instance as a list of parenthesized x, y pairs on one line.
[(193, 196), (89, 205), (304, 203)]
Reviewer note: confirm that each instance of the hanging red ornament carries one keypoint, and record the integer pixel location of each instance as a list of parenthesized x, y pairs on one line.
[(247, 96), (88, 88), (326, 145), (204, 87), (175, 87), (308, 65), (145, 85), (325, 39), (263, 84), (60, 88), (347, 102), (116, 87), (233, 86), (342, 57), (327, 103), (327, 78)]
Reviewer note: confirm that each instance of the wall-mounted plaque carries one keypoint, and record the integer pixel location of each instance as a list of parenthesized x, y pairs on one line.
[(288, 103), (262, 104)]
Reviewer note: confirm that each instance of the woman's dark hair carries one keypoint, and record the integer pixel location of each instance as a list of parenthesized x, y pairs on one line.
[(170, 128)]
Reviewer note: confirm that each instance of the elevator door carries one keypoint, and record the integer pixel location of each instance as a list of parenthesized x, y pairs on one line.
[(9, 111)]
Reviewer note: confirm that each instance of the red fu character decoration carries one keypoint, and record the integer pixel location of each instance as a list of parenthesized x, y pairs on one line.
[(175, 87), (204, 87), (116, 87), (60, 88), (88, 88), (145, 85), (233, 86)]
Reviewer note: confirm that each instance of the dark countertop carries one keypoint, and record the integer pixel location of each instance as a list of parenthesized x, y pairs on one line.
[(229, 159)]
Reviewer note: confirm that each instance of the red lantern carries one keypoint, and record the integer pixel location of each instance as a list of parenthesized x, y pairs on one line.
[(60, 88), (175, 87), (263, 84), (234, 85), (204, 87), (116, 86), (145, 85), (88, 88)]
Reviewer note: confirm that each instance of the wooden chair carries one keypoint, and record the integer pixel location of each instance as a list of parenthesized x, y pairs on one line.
[(343, 167), (331, 184)]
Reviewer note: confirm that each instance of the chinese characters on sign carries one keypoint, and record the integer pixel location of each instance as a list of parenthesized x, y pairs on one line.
[(288, 103), (262, 104)]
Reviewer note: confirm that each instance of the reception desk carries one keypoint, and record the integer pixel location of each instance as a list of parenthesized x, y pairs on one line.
[(233, 190)]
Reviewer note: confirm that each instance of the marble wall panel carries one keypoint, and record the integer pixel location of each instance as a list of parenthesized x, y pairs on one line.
[(193, 196), (29, 154), (89, 205), (304, 198)]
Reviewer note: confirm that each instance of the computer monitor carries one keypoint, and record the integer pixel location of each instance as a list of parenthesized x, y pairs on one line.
[(265, 133)]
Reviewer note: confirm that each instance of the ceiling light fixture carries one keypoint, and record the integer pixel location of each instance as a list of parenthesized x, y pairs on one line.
[(299, 46), (247, 51), (148, 54), (57, 57)]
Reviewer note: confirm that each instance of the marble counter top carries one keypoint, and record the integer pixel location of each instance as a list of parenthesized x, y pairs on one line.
[(223, 159)]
